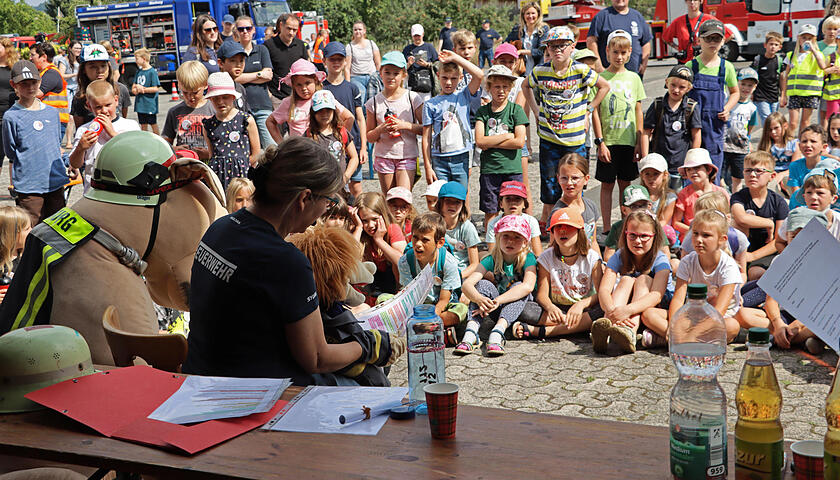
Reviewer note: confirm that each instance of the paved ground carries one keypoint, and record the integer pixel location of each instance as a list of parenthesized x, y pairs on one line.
[(565, 376)]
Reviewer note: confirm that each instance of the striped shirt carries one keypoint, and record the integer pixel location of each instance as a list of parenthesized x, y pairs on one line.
[(562, 98)]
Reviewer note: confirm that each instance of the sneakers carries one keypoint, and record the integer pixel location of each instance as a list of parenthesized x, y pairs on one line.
[(624, 337), (600, 331), (652, 340), (814, 345)]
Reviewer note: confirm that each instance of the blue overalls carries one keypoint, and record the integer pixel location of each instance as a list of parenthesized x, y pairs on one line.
[(708, 91)]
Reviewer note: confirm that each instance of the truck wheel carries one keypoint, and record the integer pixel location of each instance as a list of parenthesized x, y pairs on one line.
[(730, 51)]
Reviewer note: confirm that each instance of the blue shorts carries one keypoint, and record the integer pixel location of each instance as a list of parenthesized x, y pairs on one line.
[(550, 155), (453, 168), (357, 175)]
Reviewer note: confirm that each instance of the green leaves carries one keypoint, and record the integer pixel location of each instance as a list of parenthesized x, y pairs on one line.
[(20, 18)]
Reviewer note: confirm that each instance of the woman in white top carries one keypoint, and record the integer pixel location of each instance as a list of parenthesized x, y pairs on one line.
[(363, 62)]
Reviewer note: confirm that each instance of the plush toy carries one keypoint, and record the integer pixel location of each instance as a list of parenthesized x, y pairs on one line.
[(336, 259), (155, 210)]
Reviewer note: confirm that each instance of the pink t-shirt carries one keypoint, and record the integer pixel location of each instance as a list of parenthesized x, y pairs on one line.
[(404, 146), (300, 121), (688, 197)]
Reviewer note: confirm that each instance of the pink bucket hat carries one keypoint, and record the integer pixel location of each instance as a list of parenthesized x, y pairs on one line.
[(303, 67), (695, 157), (514, 223), (506, 49), (401, 193)]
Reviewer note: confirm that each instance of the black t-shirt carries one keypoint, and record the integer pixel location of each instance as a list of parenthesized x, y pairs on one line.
[(282, 57), (6, 91), (247, 284), (257, 93), (349, 96), (775, 208), (486, 37), (673, 139), (767, 89), (444, 35), (51, 81), (415, 50)]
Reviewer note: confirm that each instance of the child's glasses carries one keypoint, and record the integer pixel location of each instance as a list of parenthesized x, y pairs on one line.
[(756, 171), (633, 236), (570, 180)]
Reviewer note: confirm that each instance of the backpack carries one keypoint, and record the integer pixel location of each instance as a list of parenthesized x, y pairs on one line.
[(441, 260), (659, 111), (779, 63), (420, 80)]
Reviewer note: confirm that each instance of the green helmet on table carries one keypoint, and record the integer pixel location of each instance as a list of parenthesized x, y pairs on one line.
[(32, 358)]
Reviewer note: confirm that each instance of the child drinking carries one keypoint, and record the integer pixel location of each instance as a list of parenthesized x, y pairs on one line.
[(569, 273), (637, 279), (460, 231), (231, 135), (514, 271), (802, 82), (327, 131), (700, 171), (400, 205), (572, 176), (513, 200), (382, 239), (238, 194), (393, 123), (778, 138)]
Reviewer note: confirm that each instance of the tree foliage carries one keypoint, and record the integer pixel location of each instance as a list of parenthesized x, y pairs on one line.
[(20, 18)]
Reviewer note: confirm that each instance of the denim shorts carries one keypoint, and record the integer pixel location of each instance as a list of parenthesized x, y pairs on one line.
[(550, 155), (357, 175), (453, 168)]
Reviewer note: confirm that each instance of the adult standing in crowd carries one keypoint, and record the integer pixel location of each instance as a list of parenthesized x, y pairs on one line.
[(620, 16), (53, 87), (444, 42), (681, 34), (284, 49), (255, 77), (486, 42), (8, 56), (318, 49), (113, 60), (204, 43), (363, 62), (227, 28), (531, 33), (420, 56), (71, 76), (294, 183)]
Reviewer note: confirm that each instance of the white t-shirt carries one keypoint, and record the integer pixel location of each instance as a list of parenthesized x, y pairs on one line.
[(361, 57), (490, 237), (404, 146), (726, 272), (121, 125), (569, 283)]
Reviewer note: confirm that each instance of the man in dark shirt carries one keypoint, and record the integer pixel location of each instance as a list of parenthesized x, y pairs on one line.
[(444, 42), (284, 49), (487, 40)]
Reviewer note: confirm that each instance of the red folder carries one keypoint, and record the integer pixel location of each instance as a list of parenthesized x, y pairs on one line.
[(116, 403)]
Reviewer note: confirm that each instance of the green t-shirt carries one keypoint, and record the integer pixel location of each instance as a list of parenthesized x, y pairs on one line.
[(618, 108), (501, 160), (826, 49), (508, 277), (731, 79)]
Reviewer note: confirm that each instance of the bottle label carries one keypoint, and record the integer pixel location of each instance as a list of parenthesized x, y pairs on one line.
[(698, 453), (759, 461), (831, 464)]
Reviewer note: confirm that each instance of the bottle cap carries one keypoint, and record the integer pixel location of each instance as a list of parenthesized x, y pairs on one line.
[(425, 311), (697, 290), (759, 335), (405, 412)]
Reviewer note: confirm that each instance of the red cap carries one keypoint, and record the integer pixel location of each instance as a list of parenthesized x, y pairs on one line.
[(514, 188)]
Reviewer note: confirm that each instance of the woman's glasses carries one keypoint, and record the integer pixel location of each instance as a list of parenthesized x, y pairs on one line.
[(211, 29), (245, 29)]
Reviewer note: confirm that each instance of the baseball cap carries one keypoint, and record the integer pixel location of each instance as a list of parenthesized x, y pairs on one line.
[(635, 193), (711, 27), (654, 161), (453, 190), (94, 52), (24, 70), (506, 49), (228, 19), (800, 216), (335, 48), (566, 216), (434, 188), (619, 33), (584, 53), (747, 73), (417, 29), (681, 71), (513, 188), (447, 19), (394, 58), (486, 20), (230, 49), (557, 34), (322, 99), (500, 71), (808, 29), (401, 193)]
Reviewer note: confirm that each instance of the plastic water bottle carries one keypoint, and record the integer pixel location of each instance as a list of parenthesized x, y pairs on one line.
[(697, 343), (425, 351)]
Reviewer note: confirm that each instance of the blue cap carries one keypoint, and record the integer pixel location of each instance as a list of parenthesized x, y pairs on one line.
[(453, 190), (334, 48), (229, 49), (228, 19), (447, 19)]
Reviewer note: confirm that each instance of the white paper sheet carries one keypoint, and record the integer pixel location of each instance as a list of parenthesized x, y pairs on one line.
[(208, 398), (392, 315), (317, 409), (805, 280)]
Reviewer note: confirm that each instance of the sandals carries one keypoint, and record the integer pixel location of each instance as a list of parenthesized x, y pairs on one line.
[(526, 333), (465, 348), (496, 349)]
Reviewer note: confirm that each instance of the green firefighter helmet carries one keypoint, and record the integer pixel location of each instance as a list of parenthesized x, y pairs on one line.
[(32, 358), (132, 169)]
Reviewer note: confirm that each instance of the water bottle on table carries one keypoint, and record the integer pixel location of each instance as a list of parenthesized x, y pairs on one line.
[(697, 344), (425, 352)]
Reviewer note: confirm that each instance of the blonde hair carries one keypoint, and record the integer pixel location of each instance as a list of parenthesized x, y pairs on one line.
[(766, 141), (712, 201), (192, 75), (233, 189), (620, 43), (143, 53), (12, 53), (99, 89), (712, 218), (462, 37), (538, 25), (499, 260), (661, 194), (13, 220), (375, 202), (760, 158), (334, 255), (832, 21), (575, 31), (774, 36)]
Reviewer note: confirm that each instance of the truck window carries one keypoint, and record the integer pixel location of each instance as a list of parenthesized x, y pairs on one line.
[(712, 2), (199, 8), (266, 13), (765, 7)]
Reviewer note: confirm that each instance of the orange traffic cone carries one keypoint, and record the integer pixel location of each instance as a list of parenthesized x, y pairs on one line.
[(175, 97)]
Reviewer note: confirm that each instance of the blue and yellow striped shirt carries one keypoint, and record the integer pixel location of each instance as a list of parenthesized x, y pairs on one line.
[(562, 98)]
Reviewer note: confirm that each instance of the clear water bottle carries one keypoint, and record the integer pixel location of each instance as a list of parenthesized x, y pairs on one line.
[(425, 351), (697, 343)]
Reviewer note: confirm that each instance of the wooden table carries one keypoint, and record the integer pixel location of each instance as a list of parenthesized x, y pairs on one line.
[(490, 443)]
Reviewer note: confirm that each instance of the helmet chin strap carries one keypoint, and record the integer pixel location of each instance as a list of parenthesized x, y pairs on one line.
[(155, 222)]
